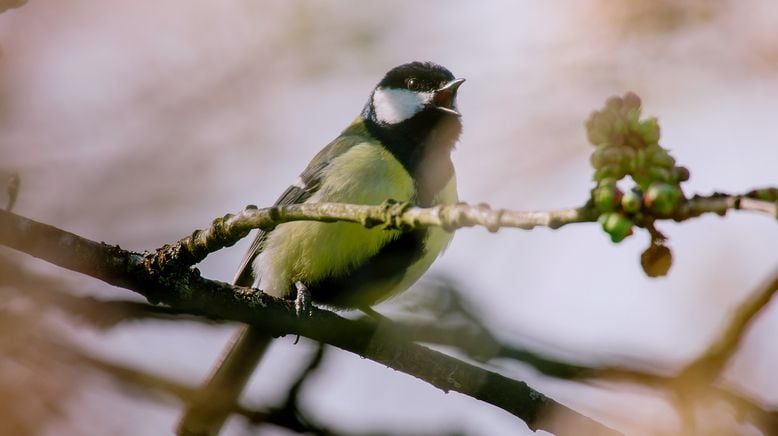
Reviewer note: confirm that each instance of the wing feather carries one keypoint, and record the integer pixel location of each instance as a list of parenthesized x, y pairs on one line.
[(310, 181)]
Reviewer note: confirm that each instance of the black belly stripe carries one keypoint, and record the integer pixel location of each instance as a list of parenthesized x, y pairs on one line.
[(366, 284)]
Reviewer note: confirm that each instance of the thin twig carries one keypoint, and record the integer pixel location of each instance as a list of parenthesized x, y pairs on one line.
[(716, 357), (226, 231)]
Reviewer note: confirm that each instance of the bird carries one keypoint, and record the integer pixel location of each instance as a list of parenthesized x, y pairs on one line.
[(399, 147)]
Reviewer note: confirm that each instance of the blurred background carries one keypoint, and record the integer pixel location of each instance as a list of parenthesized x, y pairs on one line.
[(136, 122)]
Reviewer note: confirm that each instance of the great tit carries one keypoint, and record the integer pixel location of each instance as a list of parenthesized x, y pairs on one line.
[(398, 148)]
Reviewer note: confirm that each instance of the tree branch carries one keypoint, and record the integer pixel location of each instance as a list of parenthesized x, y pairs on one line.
[(184, 288), (228, 230)]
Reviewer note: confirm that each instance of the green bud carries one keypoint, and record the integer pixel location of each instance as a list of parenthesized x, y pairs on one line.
[(619, 127), (633, 140), (596, 159), (659, 174), (609, 172), (594, 129), (652, 150), (632, 201), (638, 162), (614, 103), (631, 101), (607, 156), (616, 225), (602, 123), (606, 198), (680, 174), (649, 130), (633, 118), (627, 154), (663, 159), (662, 198), (607, 182), (613, 155), (596, 137)]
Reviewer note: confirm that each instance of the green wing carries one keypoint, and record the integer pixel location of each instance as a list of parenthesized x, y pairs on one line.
[(307, 185)]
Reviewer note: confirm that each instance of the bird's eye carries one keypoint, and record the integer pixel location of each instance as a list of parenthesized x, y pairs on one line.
[(412, 84), (442, 84)]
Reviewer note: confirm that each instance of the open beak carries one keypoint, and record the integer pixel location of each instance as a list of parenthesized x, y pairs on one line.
[(444, 97)]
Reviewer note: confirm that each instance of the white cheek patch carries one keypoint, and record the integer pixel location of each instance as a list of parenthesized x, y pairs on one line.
[(392, 106)]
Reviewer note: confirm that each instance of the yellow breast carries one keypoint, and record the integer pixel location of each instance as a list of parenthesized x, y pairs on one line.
[(307, 251)]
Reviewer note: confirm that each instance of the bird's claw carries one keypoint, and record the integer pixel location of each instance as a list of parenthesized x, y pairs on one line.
[(302, 304)]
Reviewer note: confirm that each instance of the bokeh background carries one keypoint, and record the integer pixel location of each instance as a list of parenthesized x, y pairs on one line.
[(136, 122)]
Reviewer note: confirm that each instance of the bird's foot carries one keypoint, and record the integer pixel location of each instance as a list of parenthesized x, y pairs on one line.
[(302, 304)]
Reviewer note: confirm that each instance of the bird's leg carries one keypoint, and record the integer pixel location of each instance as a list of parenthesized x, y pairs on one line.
[(302, 304)]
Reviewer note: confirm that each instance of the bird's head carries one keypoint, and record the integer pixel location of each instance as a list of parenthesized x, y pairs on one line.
[(412, 91)]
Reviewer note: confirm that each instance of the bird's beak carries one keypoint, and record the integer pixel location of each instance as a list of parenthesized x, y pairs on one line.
[(444, 97)]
